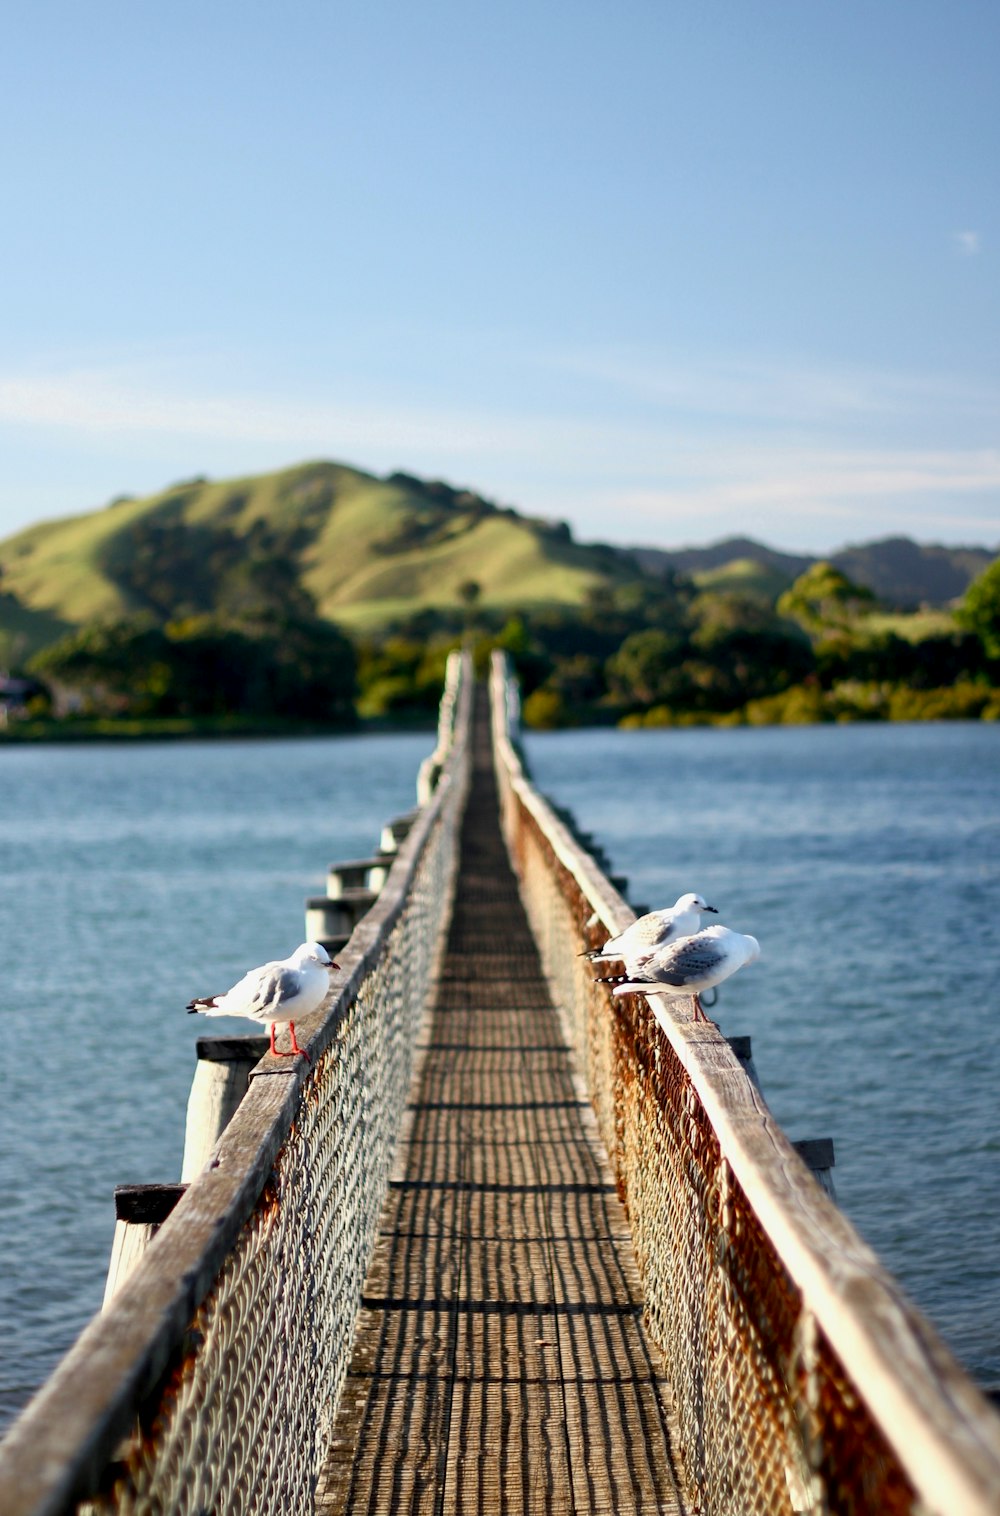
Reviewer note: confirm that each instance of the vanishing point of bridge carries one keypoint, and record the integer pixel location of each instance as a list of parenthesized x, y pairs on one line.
[(506, 1245)]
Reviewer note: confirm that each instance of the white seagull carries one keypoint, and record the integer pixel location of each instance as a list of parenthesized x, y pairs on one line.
[(655, 930), (284, 990), (691, 965)]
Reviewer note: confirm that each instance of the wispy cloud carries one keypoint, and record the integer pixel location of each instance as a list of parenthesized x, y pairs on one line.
[(812, 481), (968, 243), (755, 390), (664, 473), (808, 498), (102, 401)]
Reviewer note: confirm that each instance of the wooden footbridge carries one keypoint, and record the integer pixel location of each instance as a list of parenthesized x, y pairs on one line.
[(504, 1246)]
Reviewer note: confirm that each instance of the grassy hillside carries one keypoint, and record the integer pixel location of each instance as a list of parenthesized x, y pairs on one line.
[(744, 576), (370, 550)]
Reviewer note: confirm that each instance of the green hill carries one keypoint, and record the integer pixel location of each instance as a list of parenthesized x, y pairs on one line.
[(744, 576), (369, 550)]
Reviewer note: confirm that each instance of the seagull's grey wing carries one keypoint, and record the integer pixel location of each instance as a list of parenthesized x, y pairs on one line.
[(646, 932), (651, 929), (682, 963), (274, 988)]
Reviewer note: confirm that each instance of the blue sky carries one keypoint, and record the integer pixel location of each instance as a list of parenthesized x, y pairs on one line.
[(666, 270)]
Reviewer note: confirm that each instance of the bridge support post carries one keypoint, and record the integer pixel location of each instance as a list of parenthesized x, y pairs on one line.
[(220, 1081), (394, 832), (140, 1211), (358, 873), (328, 920)]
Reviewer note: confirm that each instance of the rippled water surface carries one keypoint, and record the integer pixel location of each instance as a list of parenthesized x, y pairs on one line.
[(131, 878), (866, 859)]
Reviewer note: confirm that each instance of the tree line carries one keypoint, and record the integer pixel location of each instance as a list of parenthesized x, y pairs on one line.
[(652, 652)]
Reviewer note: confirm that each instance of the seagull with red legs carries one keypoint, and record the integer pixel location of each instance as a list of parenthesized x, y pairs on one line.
[(282, 991), (689, 966)]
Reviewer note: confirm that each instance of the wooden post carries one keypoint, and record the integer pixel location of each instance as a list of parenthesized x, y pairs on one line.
[(220, 1082), (358, 873), (817, 1154), (140, 1211), (327, 919), (741, 1046), (394, 832)]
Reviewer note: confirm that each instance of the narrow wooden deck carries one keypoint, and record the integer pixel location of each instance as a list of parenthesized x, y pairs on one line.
[(500, 1362)]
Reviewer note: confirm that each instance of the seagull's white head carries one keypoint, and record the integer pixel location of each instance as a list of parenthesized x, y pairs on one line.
[(694, 903), (315, 951)]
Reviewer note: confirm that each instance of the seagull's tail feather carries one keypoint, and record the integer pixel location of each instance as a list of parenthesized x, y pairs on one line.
[(205, 1003)]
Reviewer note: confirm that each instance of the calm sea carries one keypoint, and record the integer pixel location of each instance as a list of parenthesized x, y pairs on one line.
[(866, 859)]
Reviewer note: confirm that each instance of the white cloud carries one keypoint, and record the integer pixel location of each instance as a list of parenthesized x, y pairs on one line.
[(98, 401), (755, 390), (715, 462), (818, 481), (968, 243), (810, 498)]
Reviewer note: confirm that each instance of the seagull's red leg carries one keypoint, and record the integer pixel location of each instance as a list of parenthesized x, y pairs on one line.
[(295, 1049), (699, 1014), (295, 1046)]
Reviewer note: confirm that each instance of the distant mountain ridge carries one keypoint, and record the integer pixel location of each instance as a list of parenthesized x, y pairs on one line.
[(902, 573), (371, 551)]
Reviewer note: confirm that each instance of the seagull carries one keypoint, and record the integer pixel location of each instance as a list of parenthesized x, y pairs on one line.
[(280, 991), (655, 930), (690, 965)]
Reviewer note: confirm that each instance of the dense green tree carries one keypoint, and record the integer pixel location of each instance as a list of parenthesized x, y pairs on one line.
[(115, 665), (753, 651), (298, 667), (825, 601), (646, 668), (979, 611)]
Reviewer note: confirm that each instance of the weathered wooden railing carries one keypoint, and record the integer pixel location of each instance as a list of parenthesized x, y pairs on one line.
[(211, 1380), (805, 1381)]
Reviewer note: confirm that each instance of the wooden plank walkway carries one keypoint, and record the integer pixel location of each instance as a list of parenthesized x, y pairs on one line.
[(500, 1362)]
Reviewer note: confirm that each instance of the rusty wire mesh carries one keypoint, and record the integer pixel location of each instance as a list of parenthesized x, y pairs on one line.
[(770, 1419)]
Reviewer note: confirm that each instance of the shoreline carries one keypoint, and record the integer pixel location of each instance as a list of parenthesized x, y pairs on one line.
[(183, 729)]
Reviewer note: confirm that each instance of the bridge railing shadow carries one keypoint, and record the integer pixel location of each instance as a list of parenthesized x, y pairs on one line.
[(210, 1382), (805, 1381)]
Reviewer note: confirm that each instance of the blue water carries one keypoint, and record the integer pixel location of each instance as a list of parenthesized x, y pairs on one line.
[(133, 877), (866, 859)]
